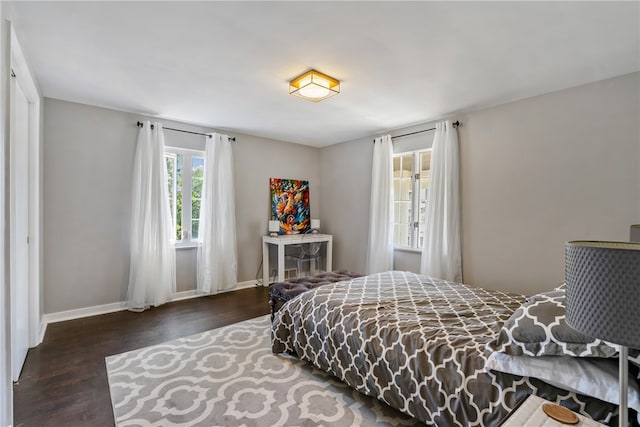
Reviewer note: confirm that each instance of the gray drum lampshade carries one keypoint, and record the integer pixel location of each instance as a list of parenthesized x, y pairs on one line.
[(603, 290)]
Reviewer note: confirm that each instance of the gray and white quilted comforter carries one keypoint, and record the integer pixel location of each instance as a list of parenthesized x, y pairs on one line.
[(416, 343)]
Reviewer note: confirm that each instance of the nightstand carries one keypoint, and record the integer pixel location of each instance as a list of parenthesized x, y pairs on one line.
[(530, 414)]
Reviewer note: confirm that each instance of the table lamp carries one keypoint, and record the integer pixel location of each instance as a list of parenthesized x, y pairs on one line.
[(603, 298), (274, 228)]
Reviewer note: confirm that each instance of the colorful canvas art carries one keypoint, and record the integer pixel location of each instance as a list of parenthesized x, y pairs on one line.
[(290, 205)]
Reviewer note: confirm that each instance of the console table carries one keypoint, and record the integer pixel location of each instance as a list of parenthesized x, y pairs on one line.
[(282, 241)]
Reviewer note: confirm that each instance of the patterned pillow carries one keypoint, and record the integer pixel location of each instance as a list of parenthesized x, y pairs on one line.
[(538, 328)]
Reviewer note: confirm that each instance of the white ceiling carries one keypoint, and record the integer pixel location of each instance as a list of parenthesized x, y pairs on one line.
[(226, 64)]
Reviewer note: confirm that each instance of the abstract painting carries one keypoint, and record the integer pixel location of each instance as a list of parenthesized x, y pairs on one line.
[(290, 205)]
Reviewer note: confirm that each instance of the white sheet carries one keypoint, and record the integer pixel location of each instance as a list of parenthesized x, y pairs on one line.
[(594, 377)]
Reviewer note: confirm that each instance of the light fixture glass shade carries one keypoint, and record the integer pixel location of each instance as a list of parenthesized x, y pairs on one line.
[(314, 86), (603, 290)]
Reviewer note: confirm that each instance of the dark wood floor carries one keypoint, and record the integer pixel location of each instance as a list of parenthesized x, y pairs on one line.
[(64, 379)]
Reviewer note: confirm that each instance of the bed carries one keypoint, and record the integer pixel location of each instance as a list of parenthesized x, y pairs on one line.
[(421, 345)]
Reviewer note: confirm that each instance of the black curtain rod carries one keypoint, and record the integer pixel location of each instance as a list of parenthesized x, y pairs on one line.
[(454, 124), (140, 124)]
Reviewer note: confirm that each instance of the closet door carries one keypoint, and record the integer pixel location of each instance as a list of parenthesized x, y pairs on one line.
[(19, 227)]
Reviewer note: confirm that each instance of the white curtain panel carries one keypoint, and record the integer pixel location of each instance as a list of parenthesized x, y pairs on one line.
[(380, 251), (152, 273), (441, 256), (217, 251)]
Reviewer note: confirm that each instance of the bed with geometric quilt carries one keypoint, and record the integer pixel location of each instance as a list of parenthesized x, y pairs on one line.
[(421, 345)]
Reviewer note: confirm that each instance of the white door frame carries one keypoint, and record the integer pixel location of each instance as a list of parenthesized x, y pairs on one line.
[(6, 391)]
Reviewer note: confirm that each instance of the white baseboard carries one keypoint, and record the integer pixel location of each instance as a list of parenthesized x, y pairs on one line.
[(243, 285), (96, 310), (43, 329), (79, 313), (179, 296)]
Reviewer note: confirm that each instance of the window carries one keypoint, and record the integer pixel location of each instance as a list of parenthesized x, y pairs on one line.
[(184, 176), (411, 173)]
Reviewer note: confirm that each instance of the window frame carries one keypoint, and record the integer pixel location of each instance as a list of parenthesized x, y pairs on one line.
[(414, 220), (187, 181)]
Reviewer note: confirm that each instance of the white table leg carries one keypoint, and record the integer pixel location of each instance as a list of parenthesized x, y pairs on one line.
[(265, 264), (280, 263), (329, 260)]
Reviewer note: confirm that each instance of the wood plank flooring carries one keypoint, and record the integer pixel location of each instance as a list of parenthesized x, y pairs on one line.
[(64, 379)]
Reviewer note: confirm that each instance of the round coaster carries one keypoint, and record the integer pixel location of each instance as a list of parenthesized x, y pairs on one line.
[(560, 414)]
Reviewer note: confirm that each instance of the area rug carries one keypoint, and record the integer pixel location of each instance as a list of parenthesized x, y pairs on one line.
[(230, 377)]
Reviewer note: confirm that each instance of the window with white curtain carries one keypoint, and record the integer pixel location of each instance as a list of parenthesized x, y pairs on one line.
[(411, 173), (184, 179)]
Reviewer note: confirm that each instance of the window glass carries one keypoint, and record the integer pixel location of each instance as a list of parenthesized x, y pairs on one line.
[(402, 173), (179, 197), (185, 170), (171, 183), (411, 174), (174, 183), (425, 175), (197, 169)]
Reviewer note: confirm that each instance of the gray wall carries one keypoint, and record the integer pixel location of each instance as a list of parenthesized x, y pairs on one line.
[(535, 173), (87, 168), (543, 171), (257, 160), (345, 172)]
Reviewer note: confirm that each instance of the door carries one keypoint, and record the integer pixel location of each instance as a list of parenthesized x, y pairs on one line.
[(19, 227)]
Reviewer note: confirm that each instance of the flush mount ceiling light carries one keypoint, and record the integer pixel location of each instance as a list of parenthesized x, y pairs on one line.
[(314, 86)]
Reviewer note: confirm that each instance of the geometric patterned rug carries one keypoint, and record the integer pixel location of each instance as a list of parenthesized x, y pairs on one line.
[(229, 377)]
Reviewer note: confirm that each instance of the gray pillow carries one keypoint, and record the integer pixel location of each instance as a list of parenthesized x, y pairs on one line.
[(539, 328)]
